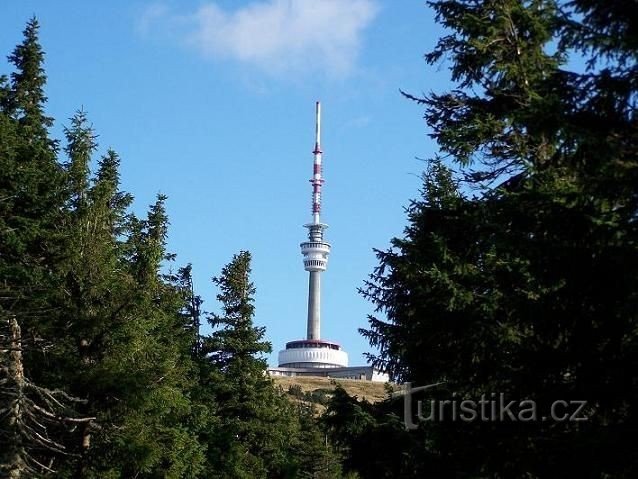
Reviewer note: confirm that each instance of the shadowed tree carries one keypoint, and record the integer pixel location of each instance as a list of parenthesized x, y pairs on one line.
[(33, 420), (258, 426), (529, 288)]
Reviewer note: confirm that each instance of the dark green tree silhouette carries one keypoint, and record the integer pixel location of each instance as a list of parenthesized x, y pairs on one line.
[(527, 287), (258, 426)]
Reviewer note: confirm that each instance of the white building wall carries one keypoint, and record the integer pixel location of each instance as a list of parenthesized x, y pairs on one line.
[(334, 357)]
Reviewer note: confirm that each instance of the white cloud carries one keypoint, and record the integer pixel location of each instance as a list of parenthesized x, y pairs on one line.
[(278, 36)]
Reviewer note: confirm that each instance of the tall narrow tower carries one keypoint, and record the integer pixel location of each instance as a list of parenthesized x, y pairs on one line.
[(314, 352), (315, 251)]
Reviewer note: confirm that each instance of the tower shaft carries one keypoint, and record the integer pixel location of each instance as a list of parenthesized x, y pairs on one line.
[(314, 306)]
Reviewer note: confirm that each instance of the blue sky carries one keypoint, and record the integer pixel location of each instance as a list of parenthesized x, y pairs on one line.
[(212, 104)]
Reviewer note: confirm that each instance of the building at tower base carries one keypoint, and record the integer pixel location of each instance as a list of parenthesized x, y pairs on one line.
[(321, 358), (361, 373), (313, 353)]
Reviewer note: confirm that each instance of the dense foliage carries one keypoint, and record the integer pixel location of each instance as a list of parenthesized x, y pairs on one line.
[(103, 371), (517, 274)]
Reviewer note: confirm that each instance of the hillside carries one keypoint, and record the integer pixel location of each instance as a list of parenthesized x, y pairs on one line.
[(317, 390)]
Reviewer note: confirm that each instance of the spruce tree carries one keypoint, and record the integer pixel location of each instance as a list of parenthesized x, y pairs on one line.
[(35, 421), (126, 348), (256, 430), (30, 182), (26, 98), (143, 378), (80, 146), (192, 311), (313, 455), (371, 438), (83, 278), (528, 287)]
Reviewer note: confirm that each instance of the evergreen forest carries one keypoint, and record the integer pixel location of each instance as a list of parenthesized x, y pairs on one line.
[(515, 275)]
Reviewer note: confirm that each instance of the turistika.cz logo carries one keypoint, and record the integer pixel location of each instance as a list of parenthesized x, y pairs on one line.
[(494, 407)]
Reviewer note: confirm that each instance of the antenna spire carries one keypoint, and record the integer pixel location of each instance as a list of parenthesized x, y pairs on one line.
[(317, 128), (317, 180)]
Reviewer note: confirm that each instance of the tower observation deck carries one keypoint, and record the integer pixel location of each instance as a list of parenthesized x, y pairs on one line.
[(313, 352)]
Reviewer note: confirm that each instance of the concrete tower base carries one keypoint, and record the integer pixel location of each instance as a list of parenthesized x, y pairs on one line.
[(309, 353), (321, 358)]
